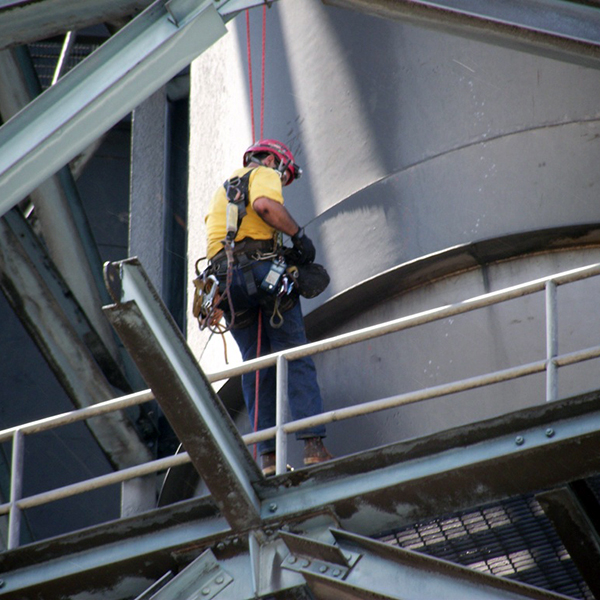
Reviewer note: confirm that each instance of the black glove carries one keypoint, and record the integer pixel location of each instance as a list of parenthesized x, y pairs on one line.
[(304, 248)]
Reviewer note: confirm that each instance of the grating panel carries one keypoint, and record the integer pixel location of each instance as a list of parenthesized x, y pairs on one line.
[(512, 539), (45, 57)]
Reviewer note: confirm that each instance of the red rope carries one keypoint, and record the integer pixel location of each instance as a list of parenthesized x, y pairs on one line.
[(250, 83), (250, 86), (262, 127), (262, 95)]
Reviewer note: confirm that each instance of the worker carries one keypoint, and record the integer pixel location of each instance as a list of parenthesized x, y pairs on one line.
[(268, 166)]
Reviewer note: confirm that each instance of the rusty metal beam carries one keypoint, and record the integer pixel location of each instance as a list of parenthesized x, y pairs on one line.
[(576, 527), (197, 416), (378, 571), (65, 337)]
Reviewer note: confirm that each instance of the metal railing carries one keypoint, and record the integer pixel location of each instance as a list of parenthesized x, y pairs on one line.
[(550, 363)]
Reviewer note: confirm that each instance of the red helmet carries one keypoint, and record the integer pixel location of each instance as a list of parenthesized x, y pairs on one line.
[(281, 152)]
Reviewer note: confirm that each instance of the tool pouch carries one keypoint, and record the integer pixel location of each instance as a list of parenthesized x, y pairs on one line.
[(310, 280)]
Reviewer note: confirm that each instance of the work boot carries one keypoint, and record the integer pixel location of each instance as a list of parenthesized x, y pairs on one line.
[(268, 464), (315, 451)]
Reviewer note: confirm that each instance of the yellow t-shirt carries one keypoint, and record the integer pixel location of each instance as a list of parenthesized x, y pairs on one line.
[(263, 182)]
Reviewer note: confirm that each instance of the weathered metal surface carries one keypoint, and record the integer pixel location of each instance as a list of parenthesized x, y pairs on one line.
[(385, 572), (576, 529), (19, 237), (65, 227), (31, 20), (121, 559), (55, 321), (97, 93), (560, 30), (365, 493), (194, 411), (464, 467)]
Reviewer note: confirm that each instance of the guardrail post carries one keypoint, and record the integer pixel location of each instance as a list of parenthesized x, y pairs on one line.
[(16, 489), (551, 342), (280, 417)]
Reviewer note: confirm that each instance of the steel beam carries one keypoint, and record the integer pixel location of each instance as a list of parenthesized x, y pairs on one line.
[(574, 523), (197, 416), (383, 572), (374, 491), (66, 230), (96, 94), (26, 21), (567, 31), (18, 237), (65, 337), (468, 466)]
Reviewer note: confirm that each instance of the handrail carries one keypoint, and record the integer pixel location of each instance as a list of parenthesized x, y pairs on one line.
[(549, 364), (395, 325)]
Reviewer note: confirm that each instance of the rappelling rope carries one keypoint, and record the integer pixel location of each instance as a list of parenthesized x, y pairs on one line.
[(250, 83), (262, 128)]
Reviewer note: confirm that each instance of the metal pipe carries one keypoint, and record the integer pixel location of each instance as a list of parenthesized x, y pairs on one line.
[(99, 482), (402, 323), (551, 342), (417, 396), (280, 415), (16, 489), (440, 390), (65, 52), (79, 415)]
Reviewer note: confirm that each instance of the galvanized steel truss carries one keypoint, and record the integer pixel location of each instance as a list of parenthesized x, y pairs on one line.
[(285, 531), (51, 131)]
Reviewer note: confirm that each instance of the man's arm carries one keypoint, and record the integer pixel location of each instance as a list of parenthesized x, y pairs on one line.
[(276, 215)]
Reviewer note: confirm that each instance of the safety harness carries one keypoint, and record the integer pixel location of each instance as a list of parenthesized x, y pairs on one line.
[(208, 297)]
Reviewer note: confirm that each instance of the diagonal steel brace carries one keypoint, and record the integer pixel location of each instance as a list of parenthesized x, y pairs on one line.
[(197, 416)]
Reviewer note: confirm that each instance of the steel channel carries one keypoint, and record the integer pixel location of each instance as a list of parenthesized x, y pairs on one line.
[(96, 94), (319, 493)]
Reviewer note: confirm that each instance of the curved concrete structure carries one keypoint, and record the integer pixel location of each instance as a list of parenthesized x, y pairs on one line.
[(437, 169)]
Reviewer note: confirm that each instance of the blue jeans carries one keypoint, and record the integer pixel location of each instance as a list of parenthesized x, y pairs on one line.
[(303, 390)]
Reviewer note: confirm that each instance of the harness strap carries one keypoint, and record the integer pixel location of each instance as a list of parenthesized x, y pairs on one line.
[(245, 264), (236, 190)]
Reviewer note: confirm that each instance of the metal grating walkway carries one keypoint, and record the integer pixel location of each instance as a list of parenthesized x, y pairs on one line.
[(512, 539)]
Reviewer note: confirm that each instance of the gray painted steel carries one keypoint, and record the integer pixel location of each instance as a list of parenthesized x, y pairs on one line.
[(380, 571), (561, 30), (367, 493), (64, 335), (428, 159), (94, 96), (185, 395), (31, 20)]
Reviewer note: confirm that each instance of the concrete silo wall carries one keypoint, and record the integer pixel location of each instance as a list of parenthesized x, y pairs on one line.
[(437, 169)]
